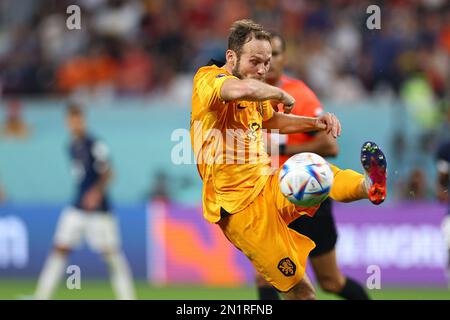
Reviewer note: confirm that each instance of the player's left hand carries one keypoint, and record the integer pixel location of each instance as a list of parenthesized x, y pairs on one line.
[(287, 101), (278, 106), (91, 199), (330, 123)]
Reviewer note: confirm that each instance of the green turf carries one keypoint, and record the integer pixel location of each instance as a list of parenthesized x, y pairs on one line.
[(23, 289)]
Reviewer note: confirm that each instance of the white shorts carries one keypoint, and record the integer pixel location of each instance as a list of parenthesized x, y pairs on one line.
[(98, 229)]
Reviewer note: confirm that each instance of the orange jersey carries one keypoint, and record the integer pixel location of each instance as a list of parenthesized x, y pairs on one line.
[(306, 104), (227, 141)]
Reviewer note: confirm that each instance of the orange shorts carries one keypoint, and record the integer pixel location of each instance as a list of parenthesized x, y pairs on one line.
[(261, 232)]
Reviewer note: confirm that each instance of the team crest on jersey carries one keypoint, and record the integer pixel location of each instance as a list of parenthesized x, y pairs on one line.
[(287, 267)]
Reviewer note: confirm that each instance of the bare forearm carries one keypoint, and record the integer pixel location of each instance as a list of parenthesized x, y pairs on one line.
[(260, 91), (316, 146), (322, 144), (288, 123), (250, 90)]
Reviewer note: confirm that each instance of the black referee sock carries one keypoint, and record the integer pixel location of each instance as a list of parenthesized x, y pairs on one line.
[(267, 293), (353, 291)]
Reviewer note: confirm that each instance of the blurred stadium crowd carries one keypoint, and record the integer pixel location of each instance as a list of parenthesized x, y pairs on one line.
[(151, 48), (139, 48)]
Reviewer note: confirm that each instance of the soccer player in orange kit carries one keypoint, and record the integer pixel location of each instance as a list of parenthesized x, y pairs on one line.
[(230, 107)]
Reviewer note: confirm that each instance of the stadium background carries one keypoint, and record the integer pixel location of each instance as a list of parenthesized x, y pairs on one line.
[(131, 65)]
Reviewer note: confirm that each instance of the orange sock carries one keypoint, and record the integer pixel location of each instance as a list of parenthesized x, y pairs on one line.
[(348, 185)]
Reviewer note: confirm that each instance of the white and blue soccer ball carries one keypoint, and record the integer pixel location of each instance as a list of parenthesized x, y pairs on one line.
[(306, 179)]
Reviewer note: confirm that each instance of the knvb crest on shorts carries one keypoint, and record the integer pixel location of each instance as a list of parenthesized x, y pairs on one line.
[(287, 267)]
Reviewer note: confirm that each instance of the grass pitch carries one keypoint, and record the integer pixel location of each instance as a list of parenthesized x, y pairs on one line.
[(11, 289)]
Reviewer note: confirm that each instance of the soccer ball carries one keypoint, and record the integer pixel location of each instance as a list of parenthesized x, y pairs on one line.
[(305, 179)]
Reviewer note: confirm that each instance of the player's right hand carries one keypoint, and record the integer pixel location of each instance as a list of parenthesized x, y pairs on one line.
[(288, 102)]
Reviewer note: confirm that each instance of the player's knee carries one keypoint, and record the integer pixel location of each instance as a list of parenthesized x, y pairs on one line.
[(306, 294), (331, 284), (301, 291), (61, 250), (110, 256), (310, 295)]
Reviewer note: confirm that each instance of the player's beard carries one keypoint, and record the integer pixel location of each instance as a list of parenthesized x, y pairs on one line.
[(236, 68), (236, 72)]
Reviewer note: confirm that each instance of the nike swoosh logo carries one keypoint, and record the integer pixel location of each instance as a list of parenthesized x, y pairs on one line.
[(240, 107)]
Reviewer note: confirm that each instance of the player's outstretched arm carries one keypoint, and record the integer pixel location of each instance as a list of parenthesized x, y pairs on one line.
[(323, 144), (287, 123), (253, 90)]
